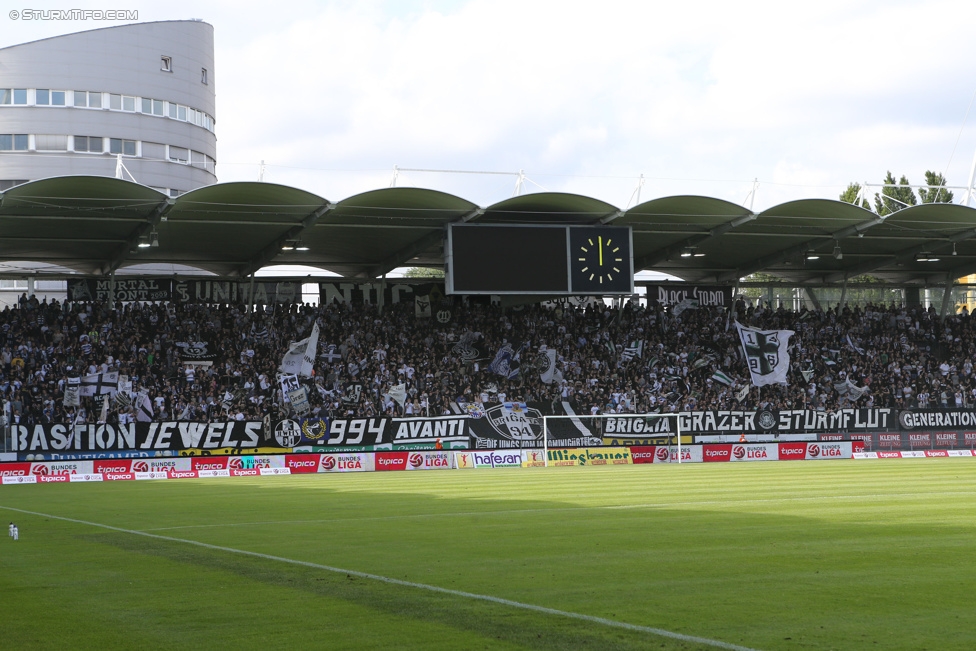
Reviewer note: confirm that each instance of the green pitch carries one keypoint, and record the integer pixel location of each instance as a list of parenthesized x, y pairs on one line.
[(791, 555)]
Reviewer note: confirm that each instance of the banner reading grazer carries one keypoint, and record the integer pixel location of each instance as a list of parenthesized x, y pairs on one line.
[(168, 436), (786, 421)]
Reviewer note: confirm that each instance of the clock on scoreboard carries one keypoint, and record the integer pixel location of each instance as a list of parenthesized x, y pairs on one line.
[(539, 259)]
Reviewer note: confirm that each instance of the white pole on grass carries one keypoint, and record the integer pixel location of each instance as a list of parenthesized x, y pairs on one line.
[(545, 441)]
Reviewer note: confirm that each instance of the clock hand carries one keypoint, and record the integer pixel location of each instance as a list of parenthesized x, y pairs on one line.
[(600, 240)]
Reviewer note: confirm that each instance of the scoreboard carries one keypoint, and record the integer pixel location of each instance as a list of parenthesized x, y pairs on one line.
[(539, 259)]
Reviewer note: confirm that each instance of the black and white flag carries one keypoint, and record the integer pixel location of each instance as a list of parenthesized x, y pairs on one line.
[(635, 349), (766, 353), (99, 383), (546, 363), (144, 412)]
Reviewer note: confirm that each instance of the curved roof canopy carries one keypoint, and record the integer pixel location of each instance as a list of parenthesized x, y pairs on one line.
[(93, 225)]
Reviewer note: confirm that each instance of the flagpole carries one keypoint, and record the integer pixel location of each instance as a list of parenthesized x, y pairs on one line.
[(678, 428)]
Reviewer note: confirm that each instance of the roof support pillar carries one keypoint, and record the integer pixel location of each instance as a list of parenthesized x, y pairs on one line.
[(812, 298), (843, 297), (250, 294), (946, 296)]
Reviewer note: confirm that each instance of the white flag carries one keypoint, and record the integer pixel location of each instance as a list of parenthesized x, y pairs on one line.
[(421, 306), (686, 304), (301, 355), (767, 354), (399, 393), (71, 392)]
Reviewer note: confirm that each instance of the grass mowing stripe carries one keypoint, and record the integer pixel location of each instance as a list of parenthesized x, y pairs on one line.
[(658, 505), (410, 584)]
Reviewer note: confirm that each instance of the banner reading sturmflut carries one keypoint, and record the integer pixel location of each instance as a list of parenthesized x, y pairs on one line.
[(766, 354)]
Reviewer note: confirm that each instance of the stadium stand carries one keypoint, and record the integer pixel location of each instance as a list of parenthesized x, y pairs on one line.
[(632, 359)]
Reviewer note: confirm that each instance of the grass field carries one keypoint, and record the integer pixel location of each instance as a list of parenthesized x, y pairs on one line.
[(790, 555)]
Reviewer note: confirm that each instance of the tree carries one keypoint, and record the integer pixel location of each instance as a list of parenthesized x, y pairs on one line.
[(894, 197), (936, 192), (850, 196)]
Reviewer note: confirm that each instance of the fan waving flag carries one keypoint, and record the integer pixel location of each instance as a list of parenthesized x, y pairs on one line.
[(301, 355), (99, 383), (766, 353)]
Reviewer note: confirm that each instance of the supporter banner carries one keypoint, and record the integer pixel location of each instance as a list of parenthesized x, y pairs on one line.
[(452, 431), (161, 436), (395, 292), (129, 289), (196, 352), (786, 421), (514, 425), (914, 419), (706, 295)]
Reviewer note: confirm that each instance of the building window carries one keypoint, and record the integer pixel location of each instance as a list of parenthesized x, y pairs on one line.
[(181, 113), (6, 95), (6, 184), (20, 96), (88, 99), (50, 142), (157, 107), (179, 154), (203, 75), (128, 103), (172, 110), (167, 64), (46, 97), (147, 105), (124, 147), (115, 102), (14, 141), (91, 144)]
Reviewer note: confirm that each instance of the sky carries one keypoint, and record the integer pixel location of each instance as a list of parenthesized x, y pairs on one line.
[(698, 97)]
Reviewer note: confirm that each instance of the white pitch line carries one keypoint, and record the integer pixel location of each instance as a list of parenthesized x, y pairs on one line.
[(409, 584)]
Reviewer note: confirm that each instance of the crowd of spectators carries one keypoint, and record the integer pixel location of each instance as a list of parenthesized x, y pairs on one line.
[(893, 357)]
